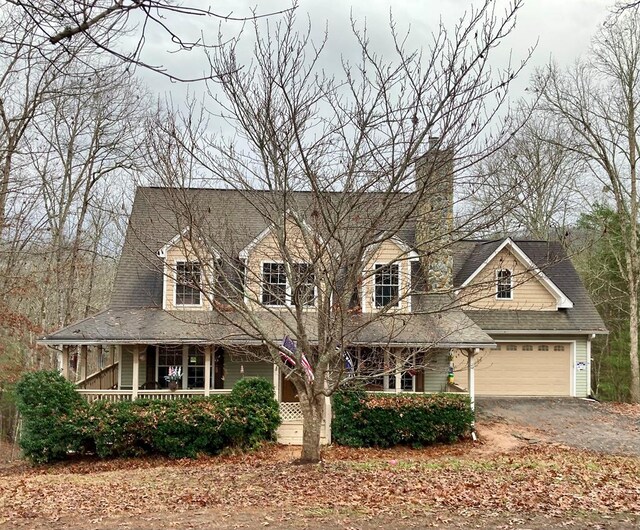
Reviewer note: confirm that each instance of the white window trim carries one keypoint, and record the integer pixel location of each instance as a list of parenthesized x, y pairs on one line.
[(502, 298), (288, 301), (175, 284), (374, 307)]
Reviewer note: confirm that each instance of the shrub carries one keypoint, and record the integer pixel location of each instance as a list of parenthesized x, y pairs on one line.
[(48, 403), (383, 420), (254, 398), (57, 420)]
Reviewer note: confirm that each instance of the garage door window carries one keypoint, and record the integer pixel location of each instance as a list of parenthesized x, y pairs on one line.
[(543, 347), (558, 347)]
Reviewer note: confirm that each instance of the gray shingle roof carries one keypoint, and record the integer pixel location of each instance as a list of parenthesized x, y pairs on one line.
[(552, 259), (155, 326), (135, 314)]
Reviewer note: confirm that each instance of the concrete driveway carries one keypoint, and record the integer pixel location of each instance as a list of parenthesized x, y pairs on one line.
[(611, 428)]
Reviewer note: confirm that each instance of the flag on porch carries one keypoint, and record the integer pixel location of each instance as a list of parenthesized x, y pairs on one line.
[(286, 353)]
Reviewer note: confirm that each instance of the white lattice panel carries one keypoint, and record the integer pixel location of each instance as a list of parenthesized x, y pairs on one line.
[(290, 411)]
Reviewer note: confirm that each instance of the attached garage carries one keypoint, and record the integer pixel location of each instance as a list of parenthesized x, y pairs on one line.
[(521, 369)]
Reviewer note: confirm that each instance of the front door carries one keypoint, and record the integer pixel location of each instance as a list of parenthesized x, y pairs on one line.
[(289, 393)]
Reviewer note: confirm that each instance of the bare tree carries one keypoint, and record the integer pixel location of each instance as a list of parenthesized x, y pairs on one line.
[(104, 24), (597, 100), (534, 181), (300, 136)]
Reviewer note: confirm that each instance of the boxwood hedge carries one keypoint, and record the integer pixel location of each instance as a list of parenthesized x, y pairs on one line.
[(385, 420), (57, 422)]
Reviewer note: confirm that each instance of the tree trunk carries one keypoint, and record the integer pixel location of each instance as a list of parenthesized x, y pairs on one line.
[(312, 416), (634, 386)]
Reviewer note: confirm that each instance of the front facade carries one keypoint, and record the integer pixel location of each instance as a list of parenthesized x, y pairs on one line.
[(516, 319)]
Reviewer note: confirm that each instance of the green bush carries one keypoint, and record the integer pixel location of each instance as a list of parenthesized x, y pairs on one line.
[(384, 420), (246, 417), (48, 403), (260, 412)]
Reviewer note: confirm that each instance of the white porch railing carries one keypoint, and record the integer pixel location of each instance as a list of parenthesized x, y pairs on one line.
[(127, 395)]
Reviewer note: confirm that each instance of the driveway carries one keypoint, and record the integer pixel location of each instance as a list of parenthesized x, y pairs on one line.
[(612, 428)]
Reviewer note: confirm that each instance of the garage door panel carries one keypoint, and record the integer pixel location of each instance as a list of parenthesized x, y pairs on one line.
[(520, 373)]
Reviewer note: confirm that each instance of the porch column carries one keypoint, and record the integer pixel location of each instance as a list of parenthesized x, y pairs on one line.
[(398, 374), (207, 369), (276, 382), (83, 362), (136, 373), (471, 373), (65, 362)]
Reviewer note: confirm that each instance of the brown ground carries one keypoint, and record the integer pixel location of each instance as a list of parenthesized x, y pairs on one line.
[(525, 471)]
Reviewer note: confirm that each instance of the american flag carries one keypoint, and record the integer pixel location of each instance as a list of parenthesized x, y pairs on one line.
[(286, 353)]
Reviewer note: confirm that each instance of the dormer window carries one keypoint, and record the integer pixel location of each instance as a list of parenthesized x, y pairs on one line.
[(276, 290), (504, 288), (387, 285), (305, 292), (274, 284), (188, 277)]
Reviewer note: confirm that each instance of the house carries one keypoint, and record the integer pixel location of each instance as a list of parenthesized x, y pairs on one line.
[(512, 317)]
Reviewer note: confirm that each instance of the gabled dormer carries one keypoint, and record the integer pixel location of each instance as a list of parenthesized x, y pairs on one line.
[(267, 282), (188, 271), (386, 281), (508, 279)]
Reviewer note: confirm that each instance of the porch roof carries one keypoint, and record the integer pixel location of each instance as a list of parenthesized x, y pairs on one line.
[(450, 329)]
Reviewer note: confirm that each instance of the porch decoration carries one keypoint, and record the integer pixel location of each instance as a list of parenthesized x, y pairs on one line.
[(174, 377)]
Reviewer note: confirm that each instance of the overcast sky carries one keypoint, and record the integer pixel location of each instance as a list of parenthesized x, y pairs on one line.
[(562, 30)]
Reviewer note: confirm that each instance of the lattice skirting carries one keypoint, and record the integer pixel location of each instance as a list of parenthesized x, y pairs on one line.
[(290, 411)]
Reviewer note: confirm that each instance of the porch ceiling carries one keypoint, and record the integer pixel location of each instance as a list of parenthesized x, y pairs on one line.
[(449, 329)]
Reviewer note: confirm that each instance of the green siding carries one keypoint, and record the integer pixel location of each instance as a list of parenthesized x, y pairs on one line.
[(435, 373), (126, 368), (233, 373)]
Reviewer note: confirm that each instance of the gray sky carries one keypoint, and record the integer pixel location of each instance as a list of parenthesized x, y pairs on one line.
[(562, 29)]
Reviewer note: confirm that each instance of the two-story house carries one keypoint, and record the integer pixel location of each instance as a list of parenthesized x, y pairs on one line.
[(514, 318)]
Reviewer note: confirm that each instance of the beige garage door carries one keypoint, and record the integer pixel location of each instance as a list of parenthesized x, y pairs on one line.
[(521, 370)]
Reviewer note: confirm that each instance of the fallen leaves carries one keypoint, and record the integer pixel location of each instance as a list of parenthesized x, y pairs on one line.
[(541, 479)]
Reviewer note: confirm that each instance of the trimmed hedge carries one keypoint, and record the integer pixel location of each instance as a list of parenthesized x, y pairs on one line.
[(246, 417), (383, 420)]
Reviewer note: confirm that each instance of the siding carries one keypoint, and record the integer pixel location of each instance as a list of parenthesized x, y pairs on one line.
[(268, 250), (387, 252), (182, 251), (527, 292), (435, 373), (580, 356), (126, 368), (232, 372)]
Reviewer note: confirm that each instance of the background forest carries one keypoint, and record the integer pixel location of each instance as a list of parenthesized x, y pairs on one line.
[(79, 130)]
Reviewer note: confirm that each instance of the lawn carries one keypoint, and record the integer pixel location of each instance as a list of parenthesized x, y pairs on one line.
[(463, 486)]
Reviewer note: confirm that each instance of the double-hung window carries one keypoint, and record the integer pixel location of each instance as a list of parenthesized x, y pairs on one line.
[(274, 284), (304, 292), (387, 285), (277, 291), (504, 287), (188, 276)]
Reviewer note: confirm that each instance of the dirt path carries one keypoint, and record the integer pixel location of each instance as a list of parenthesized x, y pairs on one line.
[(585, 424)]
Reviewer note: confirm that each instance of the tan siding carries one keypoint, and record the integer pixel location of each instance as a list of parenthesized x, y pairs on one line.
[(527, 292), (387, 252), (268, 250), (582, 385), (183, 251), (520, 372)]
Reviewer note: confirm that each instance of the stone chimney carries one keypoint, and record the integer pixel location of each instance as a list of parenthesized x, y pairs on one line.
[(434, 222)]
